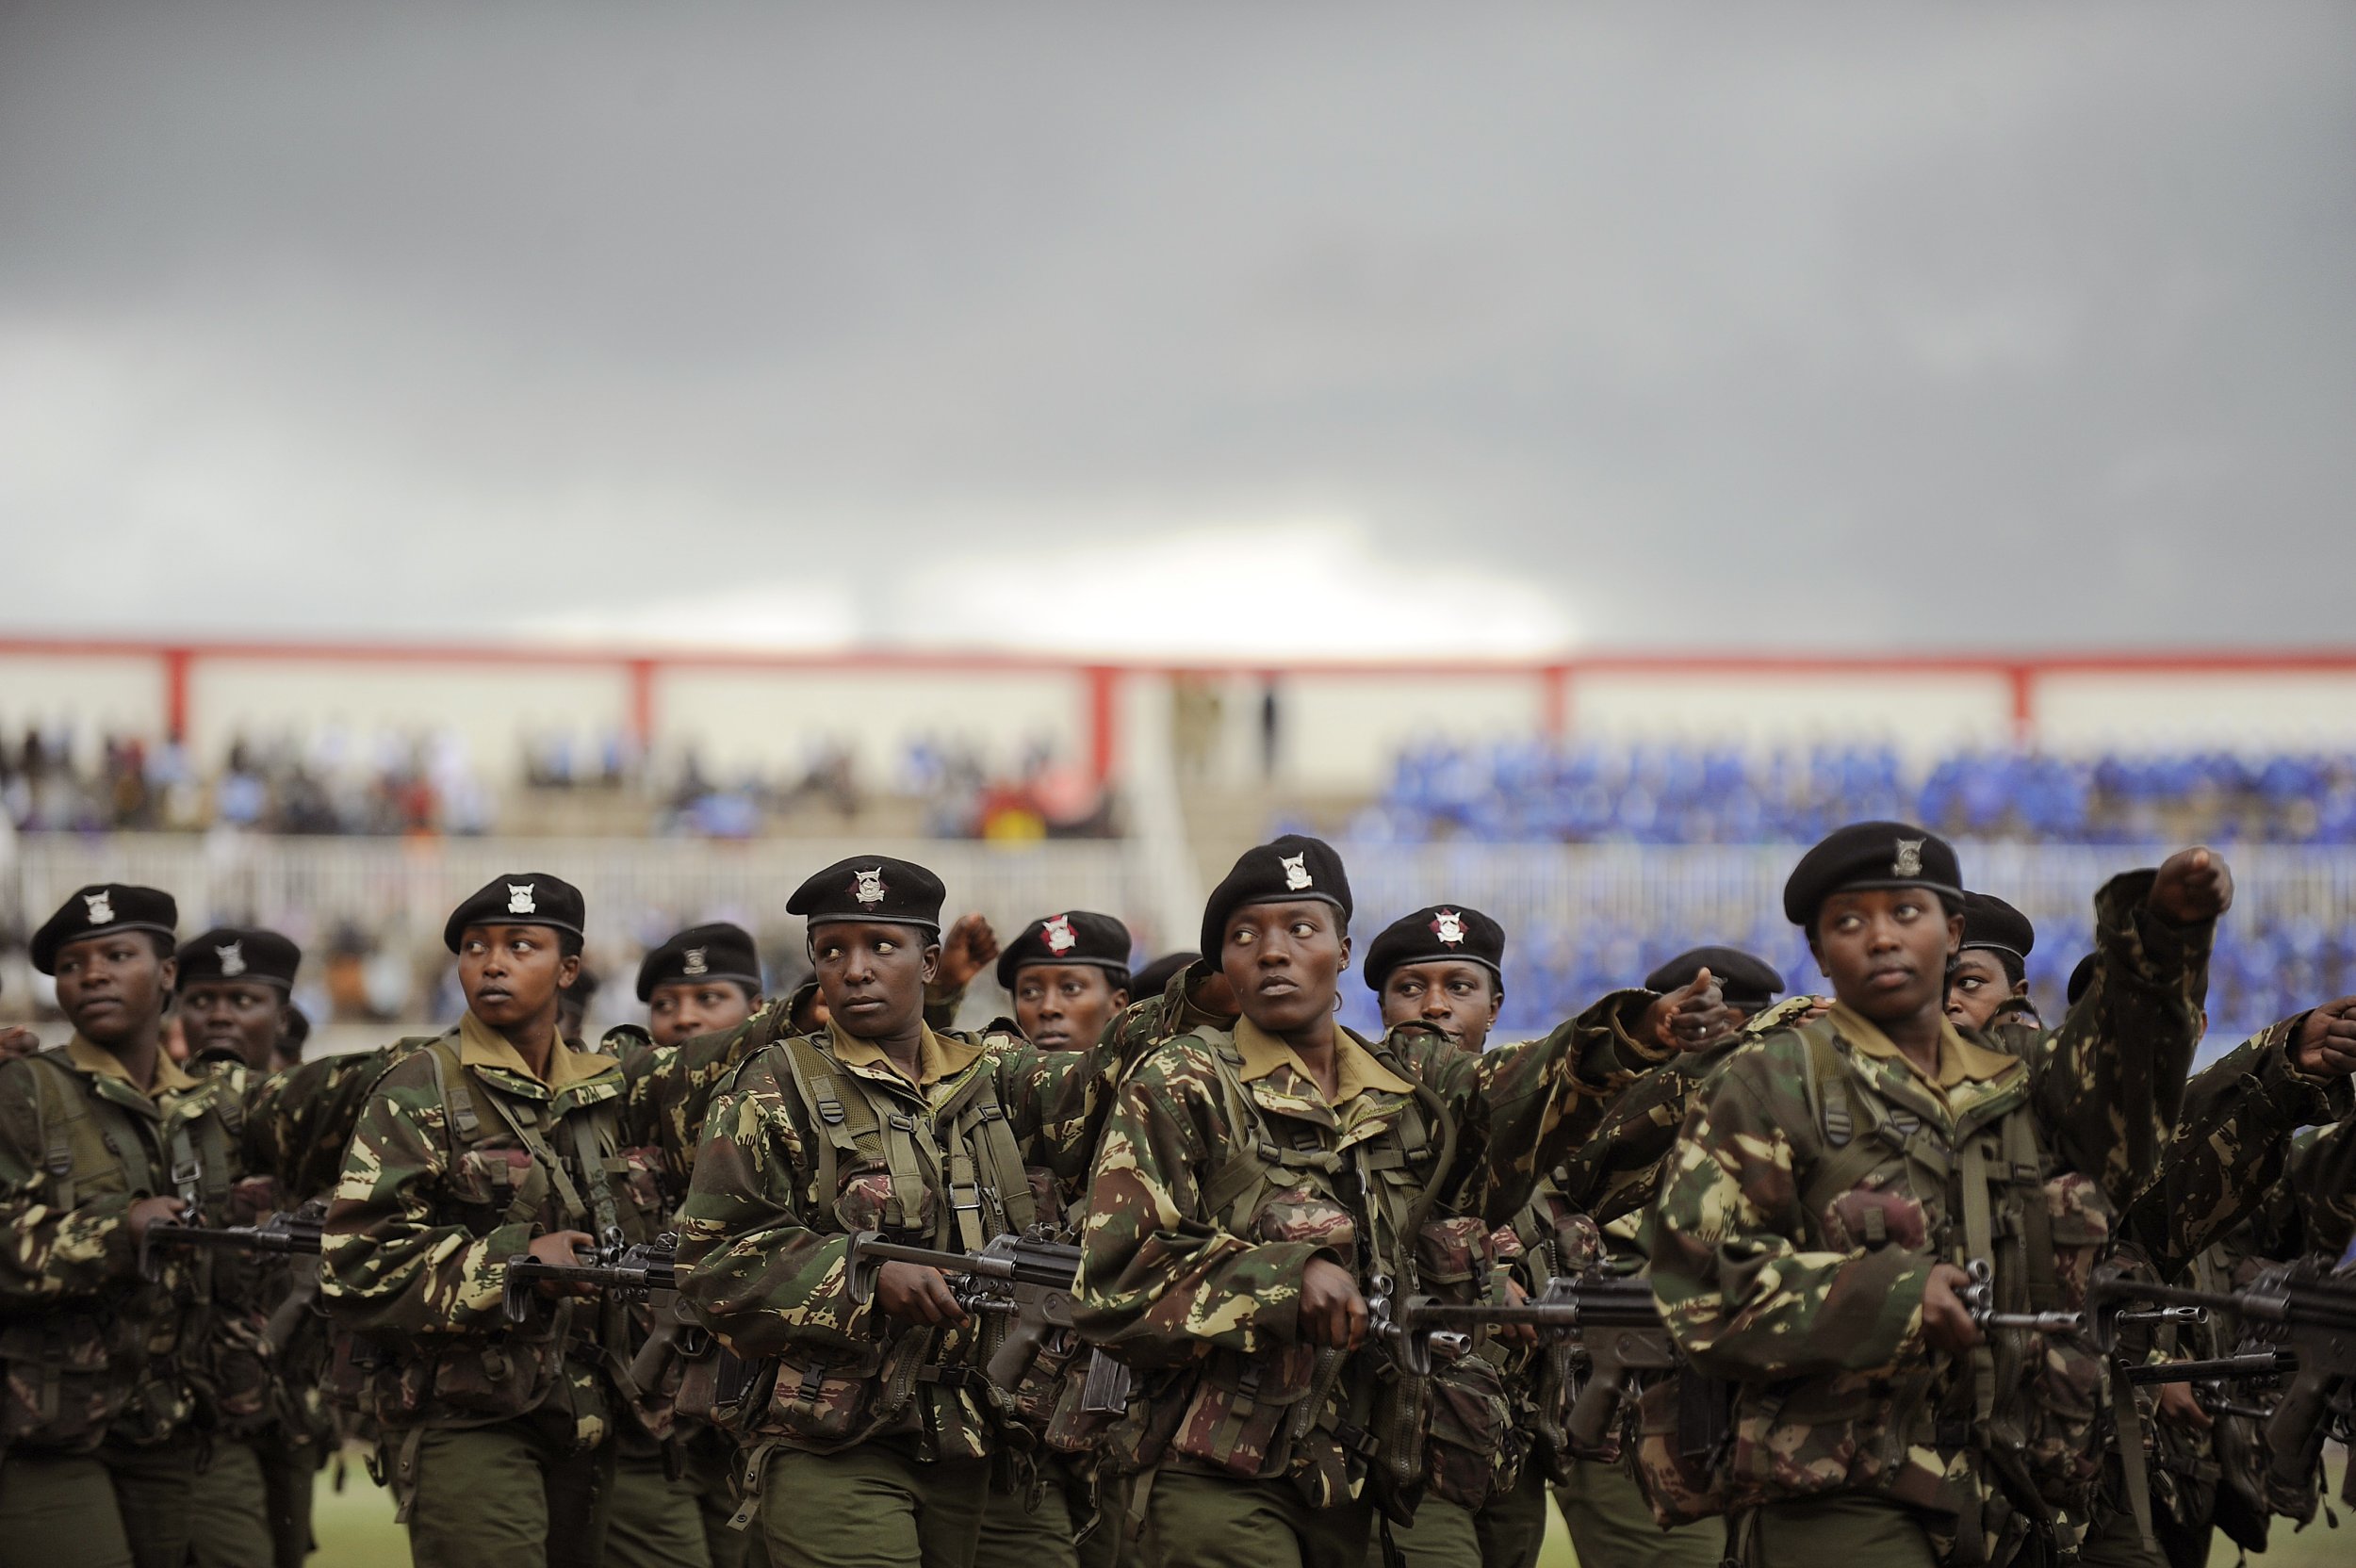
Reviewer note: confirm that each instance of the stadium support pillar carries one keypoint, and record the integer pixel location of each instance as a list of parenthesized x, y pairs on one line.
[(1554, 701), (1102, 725), (176, 662), (2024, 679), (642, 702)]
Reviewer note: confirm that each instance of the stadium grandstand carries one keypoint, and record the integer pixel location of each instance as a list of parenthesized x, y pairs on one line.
[(1608, 810)]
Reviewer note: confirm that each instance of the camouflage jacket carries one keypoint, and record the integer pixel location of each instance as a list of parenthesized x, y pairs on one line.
[(761, 1247), (92, 1349), (2232, 1149), (1810, 1299), (452, 1172), (1199, 1228)]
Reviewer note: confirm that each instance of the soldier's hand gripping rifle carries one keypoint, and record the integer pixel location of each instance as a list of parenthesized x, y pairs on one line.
[(1613, 1318), (2306, 1310), (283, 1233), (1025, 1280), (630, 1271)]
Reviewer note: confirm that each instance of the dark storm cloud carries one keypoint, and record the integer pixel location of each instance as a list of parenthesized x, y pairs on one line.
[(1830, 326)]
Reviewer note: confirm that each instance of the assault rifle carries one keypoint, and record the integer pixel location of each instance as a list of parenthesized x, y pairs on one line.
[(295, 1233), (632, 1271), (1025, 1279), (2305, 1309), (1613, 1318), (1979, 1299)]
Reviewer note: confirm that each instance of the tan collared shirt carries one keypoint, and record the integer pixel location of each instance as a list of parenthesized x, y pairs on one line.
[(937, 1060), (94, 1059), (480, 1045), (1959, 1060), (1356, 1070)]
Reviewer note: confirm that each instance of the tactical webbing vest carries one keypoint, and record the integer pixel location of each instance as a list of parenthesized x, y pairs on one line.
[(75, 1370), (952, 1178), (508, 1371), (2026, 1405), (1253, 1417)]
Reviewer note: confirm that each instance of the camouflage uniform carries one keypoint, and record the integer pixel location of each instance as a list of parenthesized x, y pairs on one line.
[(1223, 1172), (2228, 1201), (1780, 1259), (259, 1365), (97, 1454), (496, 1433), (871, 1440)]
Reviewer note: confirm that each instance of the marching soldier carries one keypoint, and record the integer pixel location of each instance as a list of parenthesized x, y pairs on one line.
[(1256, 1182), (100, 1139), (493, 1141), (264, 1353), (1067, 975), (673, 1476), (872, 1425), (1992, 968), (1833, 1179)]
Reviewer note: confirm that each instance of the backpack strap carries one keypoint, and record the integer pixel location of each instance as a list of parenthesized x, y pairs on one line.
[(978, 1125), (1837, 1112), (55, 1113), (851, 1127), (1254, 1154)]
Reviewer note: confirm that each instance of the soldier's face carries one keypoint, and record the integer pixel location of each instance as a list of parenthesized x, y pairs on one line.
[(682, 1009), (1458, 999), (512, 974), (1978, 987), (1885, 950), (113, 987), (1283, 962), (1064, 1006), (872, 975), (243, 1015)]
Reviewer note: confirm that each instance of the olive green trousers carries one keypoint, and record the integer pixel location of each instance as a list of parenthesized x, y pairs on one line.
[(118, 1507), (874, 1506), (516, 1494), (1840, 1530), (1196, 1521), (1610, 1523), (1018, 1533)]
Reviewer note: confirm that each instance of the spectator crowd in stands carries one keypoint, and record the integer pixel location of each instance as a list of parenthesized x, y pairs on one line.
[(1521, 793)]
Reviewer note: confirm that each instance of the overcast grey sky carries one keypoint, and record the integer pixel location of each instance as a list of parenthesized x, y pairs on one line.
[(1861, 326)]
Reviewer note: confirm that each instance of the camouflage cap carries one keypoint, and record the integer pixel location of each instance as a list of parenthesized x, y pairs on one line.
[(1294, 868), (98, 909), (1076, 936), (520, 898), (1435, 934), (237, 953), (1873, 854), (1743, 980)]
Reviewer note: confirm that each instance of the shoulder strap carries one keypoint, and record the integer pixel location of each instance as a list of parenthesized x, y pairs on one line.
[(1836, 1110), (1254, 1153), (851, 1127), (450, 1081), (55, 1112), (978, 1123)]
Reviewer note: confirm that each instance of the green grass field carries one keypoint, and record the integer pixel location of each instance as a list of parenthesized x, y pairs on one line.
[(355, 1529)]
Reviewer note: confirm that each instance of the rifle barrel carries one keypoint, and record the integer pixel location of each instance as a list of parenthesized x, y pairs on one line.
[(2257, 1364)]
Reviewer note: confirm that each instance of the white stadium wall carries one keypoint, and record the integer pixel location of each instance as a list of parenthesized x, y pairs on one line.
[(1339, 725)]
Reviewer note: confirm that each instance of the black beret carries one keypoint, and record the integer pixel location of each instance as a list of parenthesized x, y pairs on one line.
[(1435, 935), (716, 952), (2080, 978), (520, 898), (1294, 868), (231, 952), (1989, 921), (872, 888), (1743, 979), (1872, 855), (1154, 978), (1076, 936), (99, 908), (296, 1033)]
